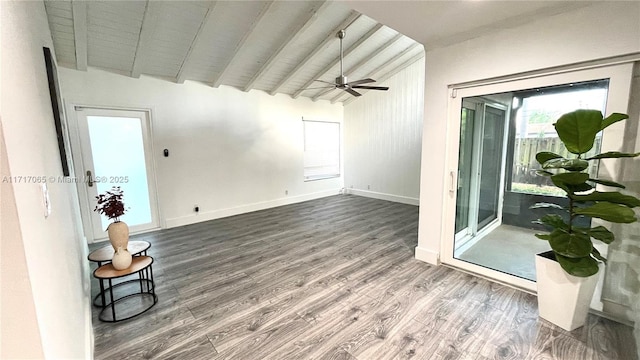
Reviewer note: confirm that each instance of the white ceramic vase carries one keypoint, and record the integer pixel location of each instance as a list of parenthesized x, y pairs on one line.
[(563, 299), (118, 235), (121, 259)]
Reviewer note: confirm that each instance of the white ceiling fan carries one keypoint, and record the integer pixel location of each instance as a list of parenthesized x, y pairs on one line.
[(342, 82)]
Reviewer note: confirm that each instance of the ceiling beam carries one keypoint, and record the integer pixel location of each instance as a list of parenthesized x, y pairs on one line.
[(238, 49), (148, 28), (394, 71), (365, 60), (329, 66), (351, 18), (404, 65), (394, 59), (79, 9), (294, 33), (180, 77)]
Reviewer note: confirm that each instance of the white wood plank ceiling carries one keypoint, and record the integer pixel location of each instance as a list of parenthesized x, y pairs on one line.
[(274, 46)]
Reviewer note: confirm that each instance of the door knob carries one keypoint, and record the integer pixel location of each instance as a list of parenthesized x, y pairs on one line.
[(89, 178)]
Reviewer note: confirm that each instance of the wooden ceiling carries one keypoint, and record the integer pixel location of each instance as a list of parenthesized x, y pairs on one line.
[(273, 46)]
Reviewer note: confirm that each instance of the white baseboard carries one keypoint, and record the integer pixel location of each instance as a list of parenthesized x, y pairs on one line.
[(428, 256), (618, 312), (221, 213), (383, 196)]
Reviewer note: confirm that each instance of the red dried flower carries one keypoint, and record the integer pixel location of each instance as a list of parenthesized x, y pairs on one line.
[(110, 204)]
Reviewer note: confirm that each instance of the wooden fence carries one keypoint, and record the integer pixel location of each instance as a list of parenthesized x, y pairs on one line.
[(524, 158)]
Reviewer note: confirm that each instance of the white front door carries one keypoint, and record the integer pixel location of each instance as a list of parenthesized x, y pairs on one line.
[(115, 147)]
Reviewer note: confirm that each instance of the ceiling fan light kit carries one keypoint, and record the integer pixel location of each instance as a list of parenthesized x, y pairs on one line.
[(341, 82)]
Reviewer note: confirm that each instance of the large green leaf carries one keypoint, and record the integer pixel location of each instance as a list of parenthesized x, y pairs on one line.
[(582, 267), (607, 183), (578, 129), (570, 178), (543, 173), (579, 188), (601, 233), (612, 119), (573, 245), (543, 236), (613, 155), (544, 156), (553, 220), (612, 196), (609, 212), (571, 182), (567, 164)]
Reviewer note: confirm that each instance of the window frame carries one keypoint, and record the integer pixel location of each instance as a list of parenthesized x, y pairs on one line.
[(304, 150)]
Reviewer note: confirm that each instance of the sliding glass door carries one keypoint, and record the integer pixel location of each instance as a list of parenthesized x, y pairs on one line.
[(495, 131), (481, 159)]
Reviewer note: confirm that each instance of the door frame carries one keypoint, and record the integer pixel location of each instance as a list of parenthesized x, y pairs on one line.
[(86, 210), (473, 233), (619, 76)]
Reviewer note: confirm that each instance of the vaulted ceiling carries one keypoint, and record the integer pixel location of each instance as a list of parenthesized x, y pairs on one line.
[(274, 46)]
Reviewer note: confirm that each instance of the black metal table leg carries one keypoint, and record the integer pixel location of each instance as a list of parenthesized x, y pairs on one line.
[(113, 305)]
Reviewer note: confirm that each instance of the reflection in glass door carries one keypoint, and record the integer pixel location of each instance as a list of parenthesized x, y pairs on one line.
[(480, 169), (493, 126)]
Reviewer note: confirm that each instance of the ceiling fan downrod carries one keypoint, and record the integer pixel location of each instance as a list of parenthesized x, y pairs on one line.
[(341, 80)]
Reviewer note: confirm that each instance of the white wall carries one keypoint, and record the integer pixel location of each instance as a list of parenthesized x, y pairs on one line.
[(18, 308), (594, 32), (230, 151), (382, 137), (54, 255)]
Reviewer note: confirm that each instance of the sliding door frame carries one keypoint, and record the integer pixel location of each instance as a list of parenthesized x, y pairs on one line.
[(617, 101)]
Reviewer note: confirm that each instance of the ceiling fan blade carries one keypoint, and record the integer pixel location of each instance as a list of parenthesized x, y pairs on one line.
[(358, 82), (326, 82), (385, 88), (352, 92)]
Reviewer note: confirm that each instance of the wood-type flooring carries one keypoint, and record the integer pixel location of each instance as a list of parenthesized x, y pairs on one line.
[(333, 278)]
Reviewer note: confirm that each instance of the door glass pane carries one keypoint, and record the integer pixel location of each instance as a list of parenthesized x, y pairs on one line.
[(535, 114), (464, 168), (491, 160), (118, 158), (497, 185)]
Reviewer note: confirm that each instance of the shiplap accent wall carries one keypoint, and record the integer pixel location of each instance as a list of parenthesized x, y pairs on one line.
[(382, 136)]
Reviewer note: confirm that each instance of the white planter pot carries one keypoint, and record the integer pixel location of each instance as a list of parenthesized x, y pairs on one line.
[(563, 299)]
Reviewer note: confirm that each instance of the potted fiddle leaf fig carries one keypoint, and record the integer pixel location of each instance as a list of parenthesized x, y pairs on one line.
[(566, 275)]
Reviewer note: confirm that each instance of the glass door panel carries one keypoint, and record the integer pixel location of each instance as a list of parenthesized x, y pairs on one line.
[(493, 126), (116, 152), (464, 169), (118, 157), (480, 170), (499, 137)]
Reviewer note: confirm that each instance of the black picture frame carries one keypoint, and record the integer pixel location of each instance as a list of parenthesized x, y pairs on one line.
[(56, 106)]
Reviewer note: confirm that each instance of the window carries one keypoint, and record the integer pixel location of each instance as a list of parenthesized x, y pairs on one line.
[(535, 112), (321, 150)]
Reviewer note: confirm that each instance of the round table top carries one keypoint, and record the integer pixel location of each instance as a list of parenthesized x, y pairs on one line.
[(106, 253), (109, 272)]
